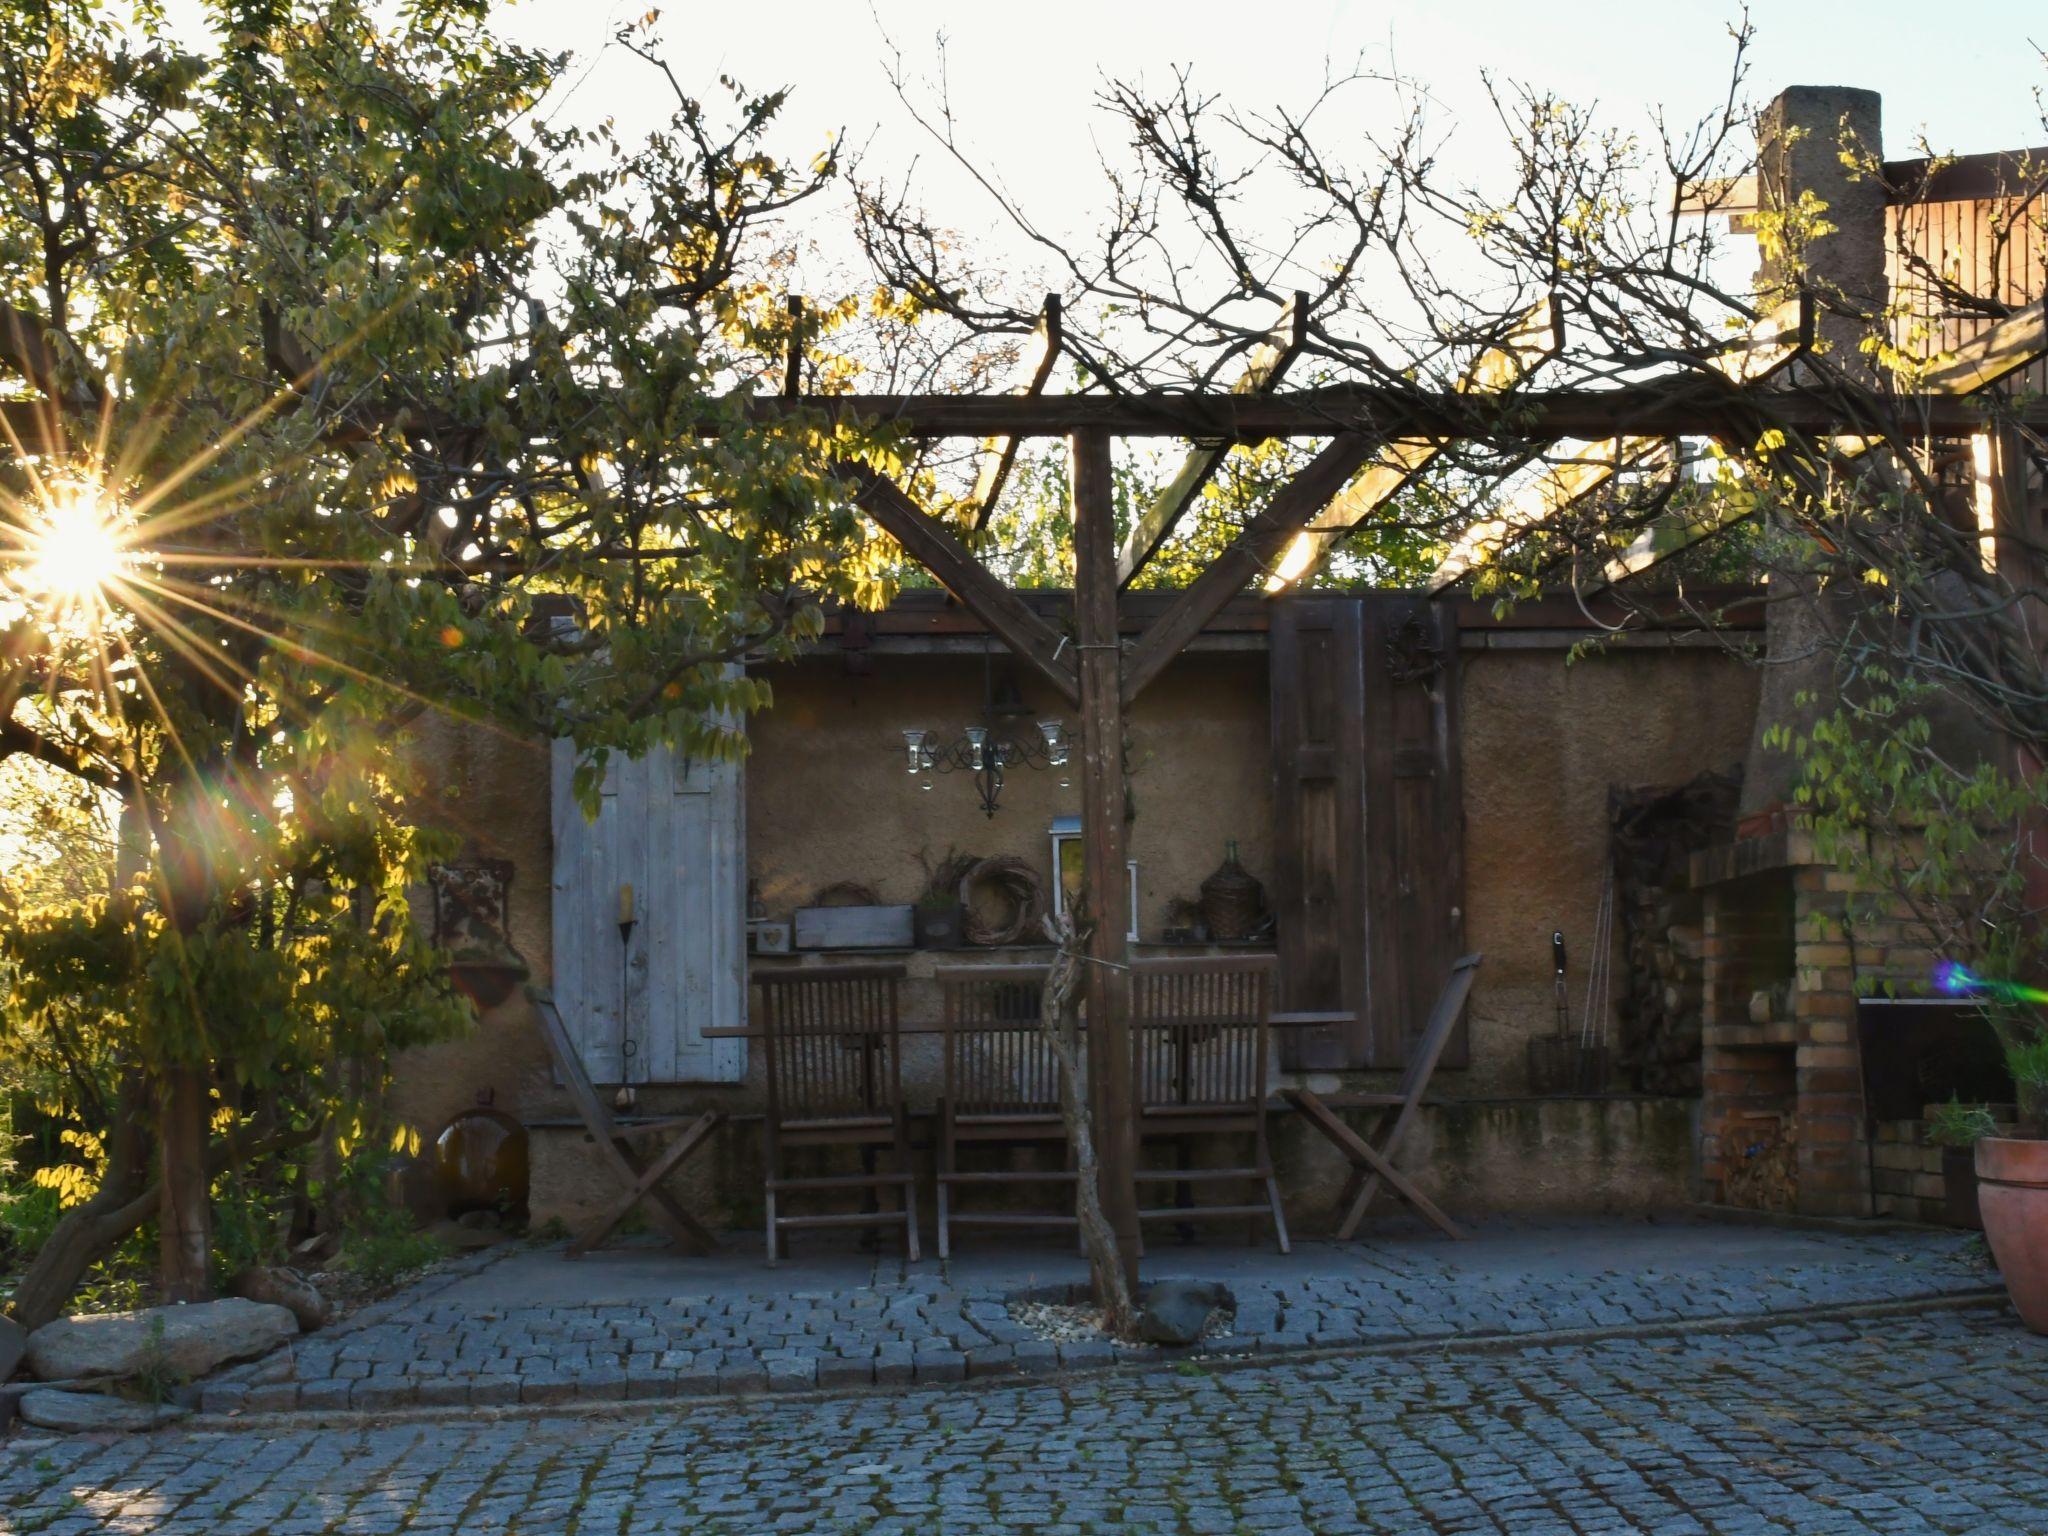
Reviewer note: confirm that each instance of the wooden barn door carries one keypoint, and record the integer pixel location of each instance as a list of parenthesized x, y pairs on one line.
[(674, 829), (1369, 821)]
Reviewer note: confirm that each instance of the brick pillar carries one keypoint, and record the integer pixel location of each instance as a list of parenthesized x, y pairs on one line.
[(1834, 1155), (1801, 139)]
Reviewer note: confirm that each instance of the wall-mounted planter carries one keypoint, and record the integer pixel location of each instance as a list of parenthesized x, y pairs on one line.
[(886, 927), (486, 981)]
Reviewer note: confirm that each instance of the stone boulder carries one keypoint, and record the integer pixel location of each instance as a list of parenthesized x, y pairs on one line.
[(1175, 1311), (13, 1345), (81, 1413), (186, 1341), (282, 1287)]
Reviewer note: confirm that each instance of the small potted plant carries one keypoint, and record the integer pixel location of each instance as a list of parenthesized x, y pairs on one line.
[(1956, 1128), (939, 919)]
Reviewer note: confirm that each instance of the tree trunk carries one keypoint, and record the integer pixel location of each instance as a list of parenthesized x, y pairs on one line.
[(1105, 806), (184, 1218), (1058, 1022), (124, 1202), (86, 1233)]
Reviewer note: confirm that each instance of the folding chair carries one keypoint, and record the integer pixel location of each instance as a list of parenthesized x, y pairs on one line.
[(1200, 1035), (835, 1079), (1002, 1089), (1372, 1155), (621, 1147)]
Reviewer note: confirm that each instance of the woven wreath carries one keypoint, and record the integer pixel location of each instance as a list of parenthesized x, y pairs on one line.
[(1018, 882)]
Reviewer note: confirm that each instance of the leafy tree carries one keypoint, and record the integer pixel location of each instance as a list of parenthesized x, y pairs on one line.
[(1942, 838), (342, 385)]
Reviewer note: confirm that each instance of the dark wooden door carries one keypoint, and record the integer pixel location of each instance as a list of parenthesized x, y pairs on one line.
[(1369, 821)]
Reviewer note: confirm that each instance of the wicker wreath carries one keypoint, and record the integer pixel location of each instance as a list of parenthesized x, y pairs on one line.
[(1013, 878)]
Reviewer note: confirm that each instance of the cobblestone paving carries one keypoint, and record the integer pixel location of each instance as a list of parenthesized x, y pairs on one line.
[(921, 1326), (1928, 1422)]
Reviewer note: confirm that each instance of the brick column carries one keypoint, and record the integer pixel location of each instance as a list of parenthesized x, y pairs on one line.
[(1801, 139), (1834, 1157)]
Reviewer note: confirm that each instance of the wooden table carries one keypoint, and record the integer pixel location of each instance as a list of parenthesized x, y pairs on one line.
[(938, 1026)]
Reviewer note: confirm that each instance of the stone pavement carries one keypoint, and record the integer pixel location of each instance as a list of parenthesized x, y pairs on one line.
[(529, 1327), (1903, 1424)]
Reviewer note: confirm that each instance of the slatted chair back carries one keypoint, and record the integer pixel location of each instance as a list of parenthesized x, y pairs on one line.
[(831, 1041), (999, 1064), (1200, 1030)]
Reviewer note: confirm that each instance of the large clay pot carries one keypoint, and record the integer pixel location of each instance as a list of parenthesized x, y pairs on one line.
[(2012, 1192)]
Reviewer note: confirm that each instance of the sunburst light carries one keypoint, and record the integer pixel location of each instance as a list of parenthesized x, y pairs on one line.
[(77, 550), (71, 548)]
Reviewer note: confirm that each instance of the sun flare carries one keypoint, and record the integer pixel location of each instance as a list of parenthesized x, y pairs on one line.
[(76, 550)]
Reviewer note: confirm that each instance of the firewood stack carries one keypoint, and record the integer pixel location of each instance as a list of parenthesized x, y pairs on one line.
[(1656, 831)]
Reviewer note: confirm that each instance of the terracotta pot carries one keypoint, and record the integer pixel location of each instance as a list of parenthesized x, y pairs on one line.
[(2012, 1192), (486, 983)]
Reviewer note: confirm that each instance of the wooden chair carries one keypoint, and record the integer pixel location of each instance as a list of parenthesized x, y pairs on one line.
[(1002, 1089), (622, 1147), (1372, 1155), (1200, 1035), (835, 1079)]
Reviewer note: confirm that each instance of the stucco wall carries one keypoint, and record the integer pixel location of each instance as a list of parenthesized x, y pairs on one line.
[(828, 800), (828, 797), (492, 791), (1542, 743)]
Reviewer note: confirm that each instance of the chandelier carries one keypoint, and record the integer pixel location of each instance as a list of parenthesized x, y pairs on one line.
[(990, 749)]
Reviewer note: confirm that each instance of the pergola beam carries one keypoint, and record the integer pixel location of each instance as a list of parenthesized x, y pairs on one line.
[(1670, 535), (1538, 335), (1770, 345), (999, 454), (1993, 353), (929, 542), (1252, 551), (1269, 360), (1539, 503)]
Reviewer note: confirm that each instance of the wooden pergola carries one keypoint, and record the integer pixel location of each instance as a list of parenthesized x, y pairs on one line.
[(1379, 440)]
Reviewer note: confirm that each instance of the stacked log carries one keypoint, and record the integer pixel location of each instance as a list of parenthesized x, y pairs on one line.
[(1656, 830)]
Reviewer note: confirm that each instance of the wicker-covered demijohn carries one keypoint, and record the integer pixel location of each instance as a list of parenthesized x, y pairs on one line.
[(1233, 901)]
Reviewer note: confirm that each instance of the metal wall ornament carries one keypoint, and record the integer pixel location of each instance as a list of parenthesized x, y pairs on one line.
[(986, 751), (472, 921), (999, 742)]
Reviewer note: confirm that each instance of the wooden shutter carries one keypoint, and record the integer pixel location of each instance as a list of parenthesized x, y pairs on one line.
[(1318, 697), (674, 830), (1369, 821)]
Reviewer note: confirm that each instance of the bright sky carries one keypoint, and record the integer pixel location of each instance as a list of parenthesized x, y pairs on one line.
[(1968, 73)]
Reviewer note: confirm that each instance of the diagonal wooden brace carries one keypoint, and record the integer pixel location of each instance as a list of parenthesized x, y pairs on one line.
[(1369, 1165), (646, 1176)]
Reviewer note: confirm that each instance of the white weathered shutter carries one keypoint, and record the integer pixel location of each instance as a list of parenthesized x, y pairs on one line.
[(674, 830)]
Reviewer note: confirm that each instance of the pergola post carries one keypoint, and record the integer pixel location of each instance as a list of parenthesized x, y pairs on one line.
[(1104, 870)]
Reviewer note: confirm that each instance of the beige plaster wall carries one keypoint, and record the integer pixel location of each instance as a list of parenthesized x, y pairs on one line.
[(828, 797), (828, 800), (493, 792), (1542, 742)]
